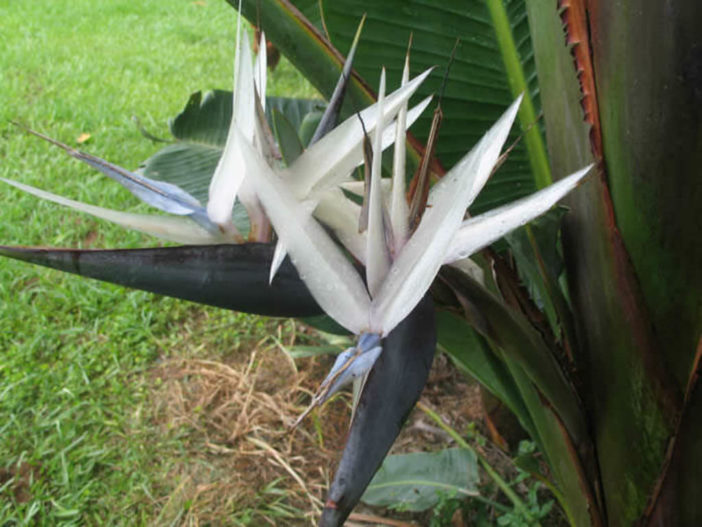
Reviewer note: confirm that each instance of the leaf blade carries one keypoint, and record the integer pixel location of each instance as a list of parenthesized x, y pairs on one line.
[(413, 482)]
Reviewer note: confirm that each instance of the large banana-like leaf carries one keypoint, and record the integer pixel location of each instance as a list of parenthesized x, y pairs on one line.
[(200, 130), (510, 331), (650, 95), (472, 355), (230, 276), (392, 388), (477, 89), (514, 368), (631, 243)]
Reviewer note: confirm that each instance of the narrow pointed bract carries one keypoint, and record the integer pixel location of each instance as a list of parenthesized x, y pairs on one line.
[(398, 206), (261, 70), (227, 276), (337, 153), (377, 256), (176, 229), (159, 194), (331, 114), (358, 366), (393, 386)]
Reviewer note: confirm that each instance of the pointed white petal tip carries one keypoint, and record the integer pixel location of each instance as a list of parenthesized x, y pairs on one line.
[(177, 229), (480, 231)]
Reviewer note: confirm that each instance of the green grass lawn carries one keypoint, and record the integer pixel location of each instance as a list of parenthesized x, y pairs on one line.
[(74, 351)]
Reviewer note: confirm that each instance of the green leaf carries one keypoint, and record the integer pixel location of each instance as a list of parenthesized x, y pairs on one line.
[(508, 330), (527, 463), (631, 244), (565, 465), (230, 276), (286, 137), (477, 90), (308, 126), (471, 354), (539, 271), (415, 482), (204, 120), (294, 110), (546, 230)]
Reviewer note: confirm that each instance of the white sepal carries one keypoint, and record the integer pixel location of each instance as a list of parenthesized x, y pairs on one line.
[(480, 231), (173, 228), (340, 214), (338, 152), (330, 277), (280, 252), (279, 255), (399, 210), (230, 171), (377, 255), (417, 264)]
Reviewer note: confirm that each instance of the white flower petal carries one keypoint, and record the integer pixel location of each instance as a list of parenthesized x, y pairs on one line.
[(280, 252), (480, 231), (230, 169), (324, 268), (417, 264), (338, 152), (173, 228), (377, 256), (279, 255), (340, 214), (399, 210)]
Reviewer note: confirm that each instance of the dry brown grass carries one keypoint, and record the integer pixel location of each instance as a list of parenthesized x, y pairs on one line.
[(241, 465)]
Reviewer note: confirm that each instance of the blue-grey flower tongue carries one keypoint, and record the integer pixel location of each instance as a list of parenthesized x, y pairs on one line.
[(368, 341), (355, 366), (351, 364), (393, 387)]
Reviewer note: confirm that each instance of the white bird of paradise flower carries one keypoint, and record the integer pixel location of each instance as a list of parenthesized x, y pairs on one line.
[(299, 199), (398, 271)]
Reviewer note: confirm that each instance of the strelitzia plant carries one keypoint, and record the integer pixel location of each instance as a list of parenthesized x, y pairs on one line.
[(615, 308), (387, 306)]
